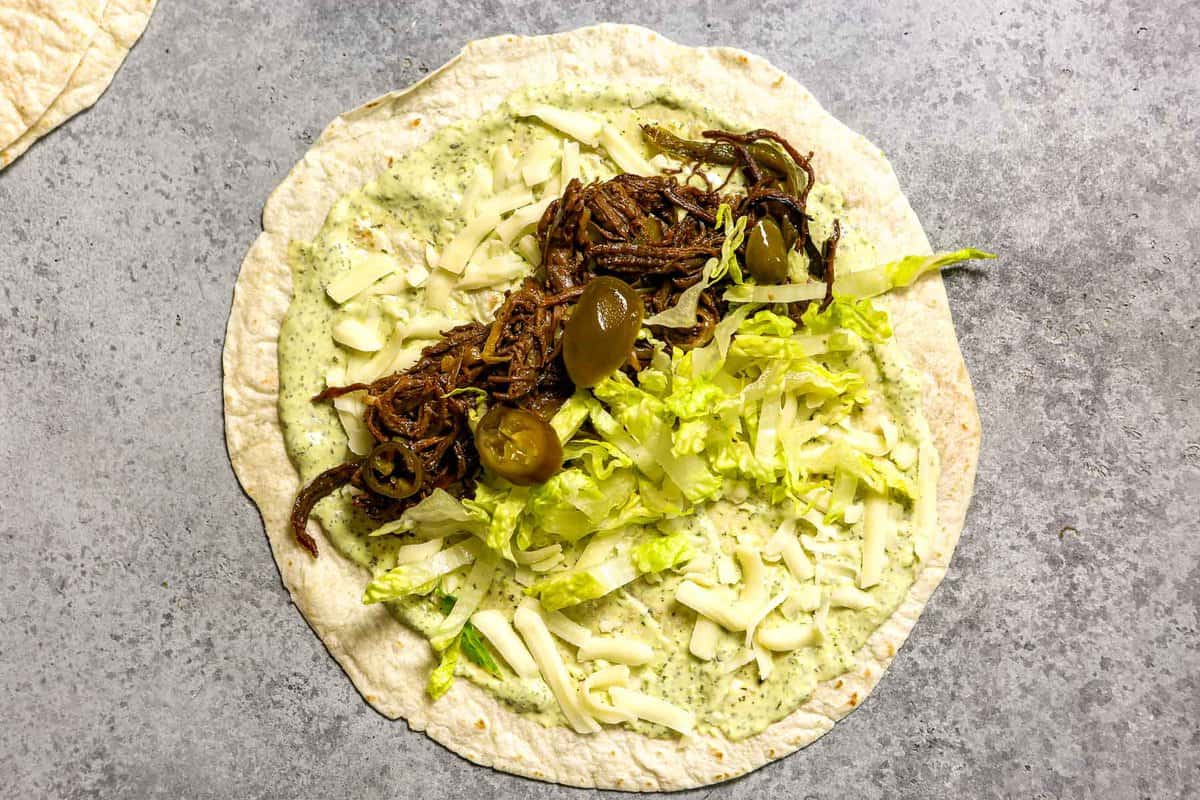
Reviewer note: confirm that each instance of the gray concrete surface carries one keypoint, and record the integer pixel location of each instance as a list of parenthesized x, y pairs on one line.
[(147, 648)]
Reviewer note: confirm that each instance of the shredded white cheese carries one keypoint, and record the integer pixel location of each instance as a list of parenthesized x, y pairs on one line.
[(528, 247), (624, 153), (652, 709), (533, 630), (598, 549), (904, 455), (539, 162), (924, 519), (569, 167), (522, 219), (495, 629), (805, 598), (510, 199), (504, 168), (560, 625), (454, 258), (785, 638), (618, 650), (716, 604), (705, 636), (358, 334), (796, 560), (740, 660), (848, 596), (597, 684), (754, 574), (576, 124), (369, 269), (773, 549), (481, 181), (765, 662), (876, 532), (548, 563), (760, 614)]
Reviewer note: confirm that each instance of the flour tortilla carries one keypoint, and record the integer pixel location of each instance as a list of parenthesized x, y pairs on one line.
[(387, 661), (120, 28), (41, 44)]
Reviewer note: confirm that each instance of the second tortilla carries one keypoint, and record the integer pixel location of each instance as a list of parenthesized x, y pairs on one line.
[(121, 25)]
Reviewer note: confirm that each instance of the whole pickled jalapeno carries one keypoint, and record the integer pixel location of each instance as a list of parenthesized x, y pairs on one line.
[(518, 445), (599, 336), (766, 253)]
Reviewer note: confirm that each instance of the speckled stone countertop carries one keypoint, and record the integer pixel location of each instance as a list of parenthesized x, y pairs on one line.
[(147, 647)]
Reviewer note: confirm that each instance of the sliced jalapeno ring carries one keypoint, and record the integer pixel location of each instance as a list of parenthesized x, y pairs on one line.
[(518, 445), (393, 470)]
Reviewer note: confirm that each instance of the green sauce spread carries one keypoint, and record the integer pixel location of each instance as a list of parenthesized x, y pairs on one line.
[(417, 201)]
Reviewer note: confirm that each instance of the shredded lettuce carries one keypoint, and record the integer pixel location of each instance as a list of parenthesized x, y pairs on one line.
[(861, 283), (683, 313), (438, 515), (845, 312), (407, 579), (650, 423), (573, 503), (653, 553), (502, 505), (657, 553), (735, 233), (442, 676), (597, 457), (476, 651), (895, 274), (470, 640), (574, 586), (570, 417)]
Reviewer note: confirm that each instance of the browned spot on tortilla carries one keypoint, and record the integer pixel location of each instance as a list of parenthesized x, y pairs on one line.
[(371, 698), (416, 123), (720, 776), (771, 753), (778, 82), (741, 59), (891, 649), (839, 684), (373, 104), (480, 724), (854, 699), (717, 754)]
